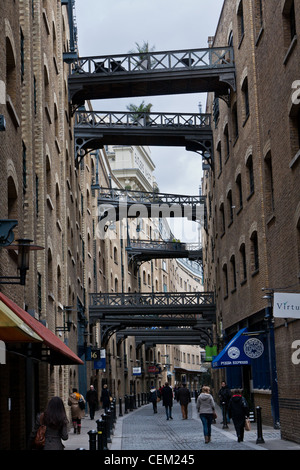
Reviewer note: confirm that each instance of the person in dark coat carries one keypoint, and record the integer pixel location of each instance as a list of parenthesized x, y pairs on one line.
[(92, 399), (238, 410), (184, 398), (167, 397), (224, 397), (105, 398), (56, 422), (153, 395)]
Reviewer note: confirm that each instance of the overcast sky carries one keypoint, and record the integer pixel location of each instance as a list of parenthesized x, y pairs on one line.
[(113, 27)]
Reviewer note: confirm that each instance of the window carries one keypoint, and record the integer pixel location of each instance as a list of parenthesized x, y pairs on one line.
[(230, 207), (246, 99), (254, 253), (240, 191), (243, 263), (222, 214), (219, 150), (227, 146), (289, 23), (241, 24), (269, 187), (235, 125), (250, 171), (225, 280), (233, 273), (258, 5)]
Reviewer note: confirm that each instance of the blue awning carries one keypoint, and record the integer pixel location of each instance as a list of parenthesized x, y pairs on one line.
[(233, 354)]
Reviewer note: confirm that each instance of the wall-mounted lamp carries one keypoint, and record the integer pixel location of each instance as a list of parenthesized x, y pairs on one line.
[(22, 247), (67, 311)]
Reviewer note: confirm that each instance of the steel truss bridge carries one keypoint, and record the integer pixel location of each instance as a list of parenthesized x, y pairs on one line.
[(150, 336), (117, 311), (144, 250), (115, 204), (94, 129), (153, 73)]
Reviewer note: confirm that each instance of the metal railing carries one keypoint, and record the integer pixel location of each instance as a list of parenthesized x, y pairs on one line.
[(117, 119), (213, 57), (126, 196), (163, 245), (159, 299)]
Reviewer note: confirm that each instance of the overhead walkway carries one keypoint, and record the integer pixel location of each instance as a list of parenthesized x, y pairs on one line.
[(115, 204), (145, 250), (153, 73), (94, 129), (168, 335)]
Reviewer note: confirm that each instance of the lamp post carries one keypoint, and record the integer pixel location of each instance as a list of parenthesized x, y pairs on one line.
[(269, 321)]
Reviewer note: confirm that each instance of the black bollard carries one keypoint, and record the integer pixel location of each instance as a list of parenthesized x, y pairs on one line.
[(260, 439), (126, 404), (131, 403), (102, 441), (139, 400), (120, 407), (92, 440), (108, 419)]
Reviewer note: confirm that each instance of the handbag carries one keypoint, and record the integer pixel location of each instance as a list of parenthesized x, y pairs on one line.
[(247, 424), (39, 440), (215, 415)]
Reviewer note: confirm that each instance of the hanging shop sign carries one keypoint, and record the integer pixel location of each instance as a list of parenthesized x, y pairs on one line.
[(100, 363), (136, 371), (240, 351), (286, 305)]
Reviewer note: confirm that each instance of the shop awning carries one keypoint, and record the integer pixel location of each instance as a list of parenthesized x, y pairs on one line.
[(13, 329), (59, 352), (233, 354)]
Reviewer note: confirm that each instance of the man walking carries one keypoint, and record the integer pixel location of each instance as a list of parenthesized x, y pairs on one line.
[(184, 398), (92, 399), (167, 396)]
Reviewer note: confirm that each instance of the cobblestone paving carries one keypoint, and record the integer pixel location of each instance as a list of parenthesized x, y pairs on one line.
[(144, 430)]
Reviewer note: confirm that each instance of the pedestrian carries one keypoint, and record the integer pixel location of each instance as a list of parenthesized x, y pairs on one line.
[(206, 409), (56, 422), (224, 397), (167, 397), (105, 398), (77, 404), (238, 410), (184, 398), (92, 399), (153, 396)]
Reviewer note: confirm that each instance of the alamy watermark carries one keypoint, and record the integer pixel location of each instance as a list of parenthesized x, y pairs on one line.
[(108, 214), (296, 93)]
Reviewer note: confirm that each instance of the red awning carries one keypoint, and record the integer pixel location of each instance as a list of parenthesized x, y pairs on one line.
[(59, 352)]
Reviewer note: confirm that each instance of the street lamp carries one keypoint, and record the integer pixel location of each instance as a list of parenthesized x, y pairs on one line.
[(23, 247)]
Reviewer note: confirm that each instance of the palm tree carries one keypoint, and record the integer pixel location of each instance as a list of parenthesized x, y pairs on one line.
[(138, 111), (143, 52)]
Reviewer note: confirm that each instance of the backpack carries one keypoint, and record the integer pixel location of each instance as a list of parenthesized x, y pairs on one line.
[(39, 440)]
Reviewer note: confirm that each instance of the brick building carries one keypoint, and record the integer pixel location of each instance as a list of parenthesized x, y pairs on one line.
[(45, 353), (252, 241)]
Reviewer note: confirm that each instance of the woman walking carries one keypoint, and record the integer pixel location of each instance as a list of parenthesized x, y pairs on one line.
[(55, 420), (76, 411), (238, 410), (206, 408)]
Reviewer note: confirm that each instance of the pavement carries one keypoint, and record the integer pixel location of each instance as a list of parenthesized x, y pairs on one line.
[(141, 430)]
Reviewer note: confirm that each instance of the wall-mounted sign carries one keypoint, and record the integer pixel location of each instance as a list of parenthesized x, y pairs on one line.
[(136, 371), (286, 305), (101, 362)]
